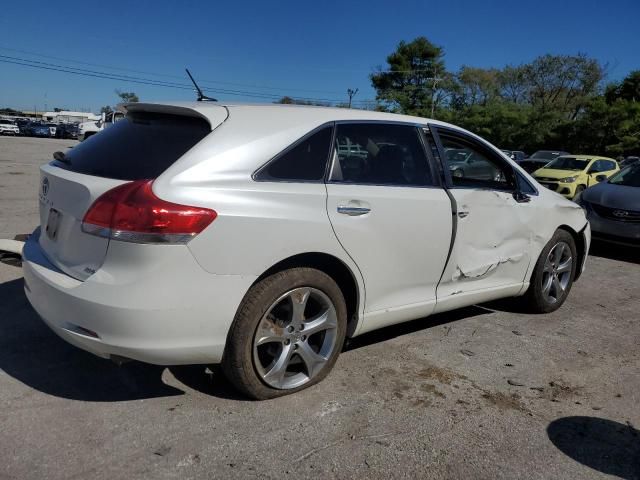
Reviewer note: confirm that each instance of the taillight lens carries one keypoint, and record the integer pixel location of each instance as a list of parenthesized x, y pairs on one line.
[(132, 213)]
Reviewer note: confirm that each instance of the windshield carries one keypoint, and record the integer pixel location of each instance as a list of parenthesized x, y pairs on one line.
[(546, 154), (567, 163), (629, 176)]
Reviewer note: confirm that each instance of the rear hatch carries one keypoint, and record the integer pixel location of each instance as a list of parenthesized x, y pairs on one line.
[(145, 144)]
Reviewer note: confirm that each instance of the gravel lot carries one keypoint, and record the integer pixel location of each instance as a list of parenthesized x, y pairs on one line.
[(485, 392)]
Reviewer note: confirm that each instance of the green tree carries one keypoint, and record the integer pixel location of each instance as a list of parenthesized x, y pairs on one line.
[(413, 82), (106, 109), (127, 97), (628, 89)]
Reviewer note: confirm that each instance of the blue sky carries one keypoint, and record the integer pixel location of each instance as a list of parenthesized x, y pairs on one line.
[(306, 49)]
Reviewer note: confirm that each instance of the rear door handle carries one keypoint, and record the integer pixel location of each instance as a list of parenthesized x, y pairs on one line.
[(463, 214), (353, 211)]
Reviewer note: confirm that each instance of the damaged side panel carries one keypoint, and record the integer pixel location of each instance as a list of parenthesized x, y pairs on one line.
[(493, 243)]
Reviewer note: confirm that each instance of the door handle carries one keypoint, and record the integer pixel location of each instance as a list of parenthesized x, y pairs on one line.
[(353, 211), (463, 214)]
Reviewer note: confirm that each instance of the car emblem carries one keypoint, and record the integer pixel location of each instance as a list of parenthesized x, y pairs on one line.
[(620, 213), (45, 186)]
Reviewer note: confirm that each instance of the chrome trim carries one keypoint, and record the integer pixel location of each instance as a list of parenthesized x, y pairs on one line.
[(353, 211)]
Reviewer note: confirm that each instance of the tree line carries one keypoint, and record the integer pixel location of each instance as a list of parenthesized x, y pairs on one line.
[(554, 102)]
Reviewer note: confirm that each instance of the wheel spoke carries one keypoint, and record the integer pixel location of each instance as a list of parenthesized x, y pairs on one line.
[(557, 287), (546, 286), (275, 375), (268, 332), (564, 266), (312, 360), (557, 253), (299, 299), (324, 321), (548, 268)]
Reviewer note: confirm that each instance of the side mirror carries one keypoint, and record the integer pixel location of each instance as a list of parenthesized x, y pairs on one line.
[(521, 197), (601, 178)]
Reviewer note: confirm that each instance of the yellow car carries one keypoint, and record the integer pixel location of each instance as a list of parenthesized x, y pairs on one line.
[(571, 174)]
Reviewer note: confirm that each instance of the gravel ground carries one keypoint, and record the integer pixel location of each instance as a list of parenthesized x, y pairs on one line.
[(484, 392)]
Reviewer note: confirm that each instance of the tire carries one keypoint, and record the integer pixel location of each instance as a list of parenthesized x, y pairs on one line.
[(267, 314), (579, 190), (545, 295), (458, 173)]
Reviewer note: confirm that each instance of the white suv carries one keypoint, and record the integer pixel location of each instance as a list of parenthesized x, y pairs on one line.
[(7, 127), (260, 236)]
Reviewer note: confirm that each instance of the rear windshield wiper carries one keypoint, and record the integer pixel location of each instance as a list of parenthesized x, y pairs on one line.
[(61, 157)]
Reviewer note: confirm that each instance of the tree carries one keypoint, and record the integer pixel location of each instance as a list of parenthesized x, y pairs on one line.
[(562, 83), (106, 109), (412, 83), (286, 100), (127, 97), (628, 89)]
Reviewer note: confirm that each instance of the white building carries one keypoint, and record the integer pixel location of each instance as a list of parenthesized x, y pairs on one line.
[(69, 117)]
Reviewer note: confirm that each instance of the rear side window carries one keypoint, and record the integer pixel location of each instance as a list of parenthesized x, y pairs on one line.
[(380, 154), (141, 146), (305, 161)]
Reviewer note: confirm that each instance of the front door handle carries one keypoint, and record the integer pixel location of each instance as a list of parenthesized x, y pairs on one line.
[(353, 211), (463, 214)]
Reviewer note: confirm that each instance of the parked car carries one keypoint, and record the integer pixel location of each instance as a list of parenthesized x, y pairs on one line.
[(613, 207), (23, 126), (515, 155), (88, 129), (531, 165), (548, 155), (464, 162), (7, 127), (40, 130), (628, 161), (67, 130), (218, 233), (570, 175)]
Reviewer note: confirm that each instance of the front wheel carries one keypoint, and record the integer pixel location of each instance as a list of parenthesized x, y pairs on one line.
[(579, 190), (287, 334), (553, 274)]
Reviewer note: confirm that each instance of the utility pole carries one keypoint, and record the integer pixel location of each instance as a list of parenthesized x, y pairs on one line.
[(352, 93)]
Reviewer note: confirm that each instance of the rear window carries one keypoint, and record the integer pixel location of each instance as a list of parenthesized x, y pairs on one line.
[(143, 145)]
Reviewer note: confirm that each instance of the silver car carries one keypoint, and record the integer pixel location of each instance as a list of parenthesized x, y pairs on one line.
[(613, 207)]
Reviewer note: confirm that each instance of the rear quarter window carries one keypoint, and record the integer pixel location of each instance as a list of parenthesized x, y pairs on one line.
[(141, 146)]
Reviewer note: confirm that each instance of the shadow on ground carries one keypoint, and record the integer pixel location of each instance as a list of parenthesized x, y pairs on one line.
[(613, 251), (32, 354), (604, 445)]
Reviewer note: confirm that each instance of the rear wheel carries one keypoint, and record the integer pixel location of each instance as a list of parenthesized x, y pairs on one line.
[(287, 334), (553, 274)]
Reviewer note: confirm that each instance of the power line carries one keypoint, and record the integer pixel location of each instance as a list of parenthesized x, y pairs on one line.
[(145, 81), (280, 89)]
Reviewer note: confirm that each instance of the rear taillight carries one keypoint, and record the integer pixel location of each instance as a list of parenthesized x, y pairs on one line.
[(132, 213)]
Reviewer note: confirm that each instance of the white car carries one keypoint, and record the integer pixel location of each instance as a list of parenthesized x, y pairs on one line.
[(248, 235), (7, 127)]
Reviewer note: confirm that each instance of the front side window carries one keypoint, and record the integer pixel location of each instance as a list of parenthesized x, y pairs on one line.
[(305, 161), (474, 166), (380, 154)]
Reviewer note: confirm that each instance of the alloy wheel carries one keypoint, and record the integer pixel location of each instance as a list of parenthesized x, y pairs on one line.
[(295, 338), (557, 272)]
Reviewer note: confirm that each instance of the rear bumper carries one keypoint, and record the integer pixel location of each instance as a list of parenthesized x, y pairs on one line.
[(166, 310)]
